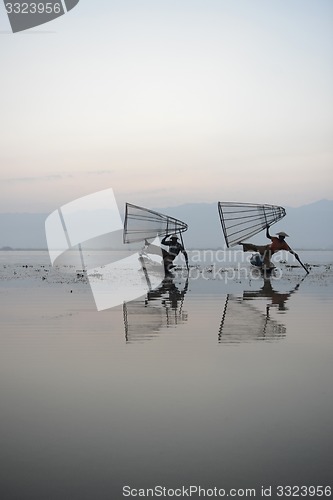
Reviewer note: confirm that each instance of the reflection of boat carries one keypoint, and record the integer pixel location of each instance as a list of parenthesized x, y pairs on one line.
[(162, 308), (242, 321)]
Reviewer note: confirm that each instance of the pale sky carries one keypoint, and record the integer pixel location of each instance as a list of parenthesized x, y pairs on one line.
[(169, 102)]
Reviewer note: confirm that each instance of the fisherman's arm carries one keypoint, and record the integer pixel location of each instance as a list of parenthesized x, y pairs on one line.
[(267, 233), (164, 242)]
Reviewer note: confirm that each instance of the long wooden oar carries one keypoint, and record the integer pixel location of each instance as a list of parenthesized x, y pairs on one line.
[(299, 260), (186, 260)]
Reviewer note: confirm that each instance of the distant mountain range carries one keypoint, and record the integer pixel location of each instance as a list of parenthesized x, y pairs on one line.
[(309, 227)]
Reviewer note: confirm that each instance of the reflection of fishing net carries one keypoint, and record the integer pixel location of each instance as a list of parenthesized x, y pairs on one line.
[(163, 308), (242, 220), (142, 223), (242, 322), (141, 323)]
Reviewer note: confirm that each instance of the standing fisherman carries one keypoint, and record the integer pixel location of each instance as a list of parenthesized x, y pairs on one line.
[(174, 249), (168, 255)]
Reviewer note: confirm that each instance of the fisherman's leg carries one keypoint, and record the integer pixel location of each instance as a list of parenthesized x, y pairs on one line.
[(167, 267), (267, 257), (168, 263), (262, 249), (249, 247)]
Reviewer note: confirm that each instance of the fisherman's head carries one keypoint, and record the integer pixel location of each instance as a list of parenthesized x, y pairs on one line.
[(174, 237), (282, 235)]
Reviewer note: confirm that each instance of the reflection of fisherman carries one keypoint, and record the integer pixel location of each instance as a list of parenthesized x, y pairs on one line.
[(277, 299), (168, 255), (162, 307), (174, 295), (266, 251)]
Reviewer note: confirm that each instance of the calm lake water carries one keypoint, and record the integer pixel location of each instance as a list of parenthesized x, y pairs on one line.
[(222, 380)]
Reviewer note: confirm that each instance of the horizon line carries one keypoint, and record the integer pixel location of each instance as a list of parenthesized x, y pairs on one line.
[(179, 205)]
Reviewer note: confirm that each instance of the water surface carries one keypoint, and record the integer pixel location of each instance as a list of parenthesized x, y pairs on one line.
[(208, 381)]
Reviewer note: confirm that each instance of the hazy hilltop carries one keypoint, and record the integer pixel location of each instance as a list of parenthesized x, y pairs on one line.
[(22, 230), (309, 226)]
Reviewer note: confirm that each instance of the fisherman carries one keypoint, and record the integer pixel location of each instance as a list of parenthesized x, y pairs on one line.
[(174, 249), (168, 255), (266, 251)]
